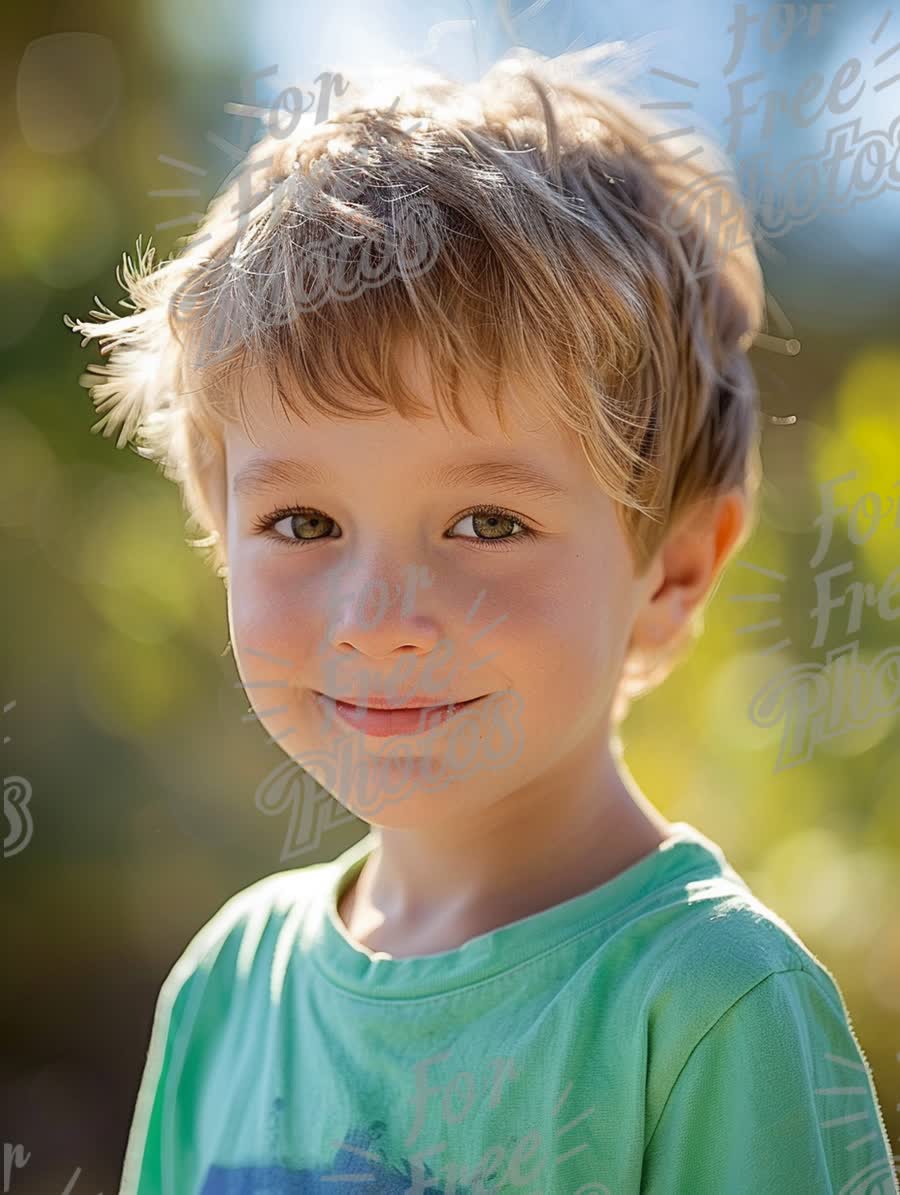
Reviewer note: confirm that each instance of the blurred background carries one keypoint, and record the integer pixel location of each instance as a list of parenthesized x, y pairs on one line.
[(122, 716)]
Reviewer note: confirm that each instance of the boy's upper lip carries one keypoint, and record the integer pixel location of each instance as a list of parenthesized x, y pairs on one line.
[(380, 702)]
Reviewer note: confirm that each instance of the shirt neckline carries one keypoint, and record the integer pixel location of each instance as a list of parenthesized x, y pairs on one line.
[(355, 968)]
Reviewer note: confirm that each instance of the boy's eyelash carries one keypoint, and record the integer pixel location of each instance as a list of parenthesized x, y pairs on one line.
[(265, 524)]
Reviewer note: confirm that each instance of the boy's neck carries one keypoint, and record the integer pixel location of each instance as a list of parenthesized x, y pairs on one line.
[(471, 891)]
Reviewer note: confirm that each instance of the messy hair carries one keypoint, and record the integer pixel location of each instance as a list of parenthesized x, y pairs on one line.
[(539, 227)]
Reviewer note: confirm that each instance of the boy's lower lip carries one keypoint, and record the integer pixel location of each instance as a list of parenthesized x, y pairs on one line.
[(383, 723)]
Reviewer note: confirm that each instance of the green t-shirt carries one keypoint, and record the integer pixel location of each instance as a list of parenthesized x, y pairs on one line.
[(663, 1034)]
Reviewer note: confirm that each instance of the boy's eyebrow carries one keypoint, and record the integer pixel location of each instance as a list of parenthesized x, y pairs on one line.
[(263, 475)]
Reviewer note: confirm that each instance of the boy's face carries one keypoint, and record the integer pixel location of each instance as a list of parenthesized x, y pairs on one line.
[(388, 589)]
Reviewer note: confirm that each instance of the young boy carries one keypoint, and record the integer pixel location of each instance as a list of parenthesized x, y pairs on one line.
[(515, 417)]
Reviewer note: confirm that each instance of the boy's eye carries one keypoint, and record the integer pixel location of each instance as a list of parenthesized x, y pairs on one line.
[(302, 525), (490, 523)]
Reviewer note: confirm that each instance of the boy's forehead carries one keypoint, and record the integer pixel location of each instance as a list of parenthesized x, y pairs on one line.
[(277, 430)]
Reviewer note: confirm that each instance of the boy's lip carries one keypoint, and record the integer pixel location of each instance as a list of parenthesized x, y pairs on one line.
[(381, 702), (391, 720)]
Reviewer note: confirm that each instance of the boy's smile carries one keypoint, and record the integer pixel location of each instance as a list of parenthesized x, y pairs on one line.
[(395, 716)]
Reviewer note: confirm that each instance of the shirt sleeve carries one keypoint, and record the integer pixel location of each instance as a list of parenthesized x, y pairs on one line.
[(149, 1158), (775, 1097)]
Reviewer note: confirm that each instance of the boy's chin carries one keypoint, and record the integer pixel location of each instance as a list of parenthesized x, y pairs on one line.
[(416, 804)]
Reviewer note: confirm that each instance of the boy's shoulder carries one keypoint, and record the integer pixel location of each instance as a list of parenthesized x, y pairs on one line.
[(243, 935), (708, 939), (707, 967)]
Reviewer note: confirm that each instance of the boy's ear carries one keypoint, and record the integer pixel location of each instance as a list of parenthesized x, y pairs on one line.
[(687, 566)]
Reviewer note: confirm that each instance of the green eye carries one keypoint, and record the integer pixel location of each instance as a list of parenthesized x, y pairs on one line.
[(302, 525), (492, 523)]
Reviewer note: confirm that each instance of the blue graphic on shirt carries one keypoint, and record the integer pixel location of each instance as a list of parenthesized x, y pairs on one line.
[(276, 1180), (357, 1169)]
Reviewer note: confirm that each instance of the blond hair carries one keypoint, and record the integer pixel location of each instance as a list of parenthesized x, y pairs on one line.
[(528, 225)]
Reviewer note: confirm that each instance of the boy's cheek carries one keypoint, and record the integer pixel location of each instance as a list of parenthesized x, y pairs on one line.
[(267, 622)]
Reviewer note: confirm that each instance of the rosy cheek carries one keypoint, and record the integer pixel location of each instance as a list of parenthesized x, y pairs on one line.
[(263, 623)]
